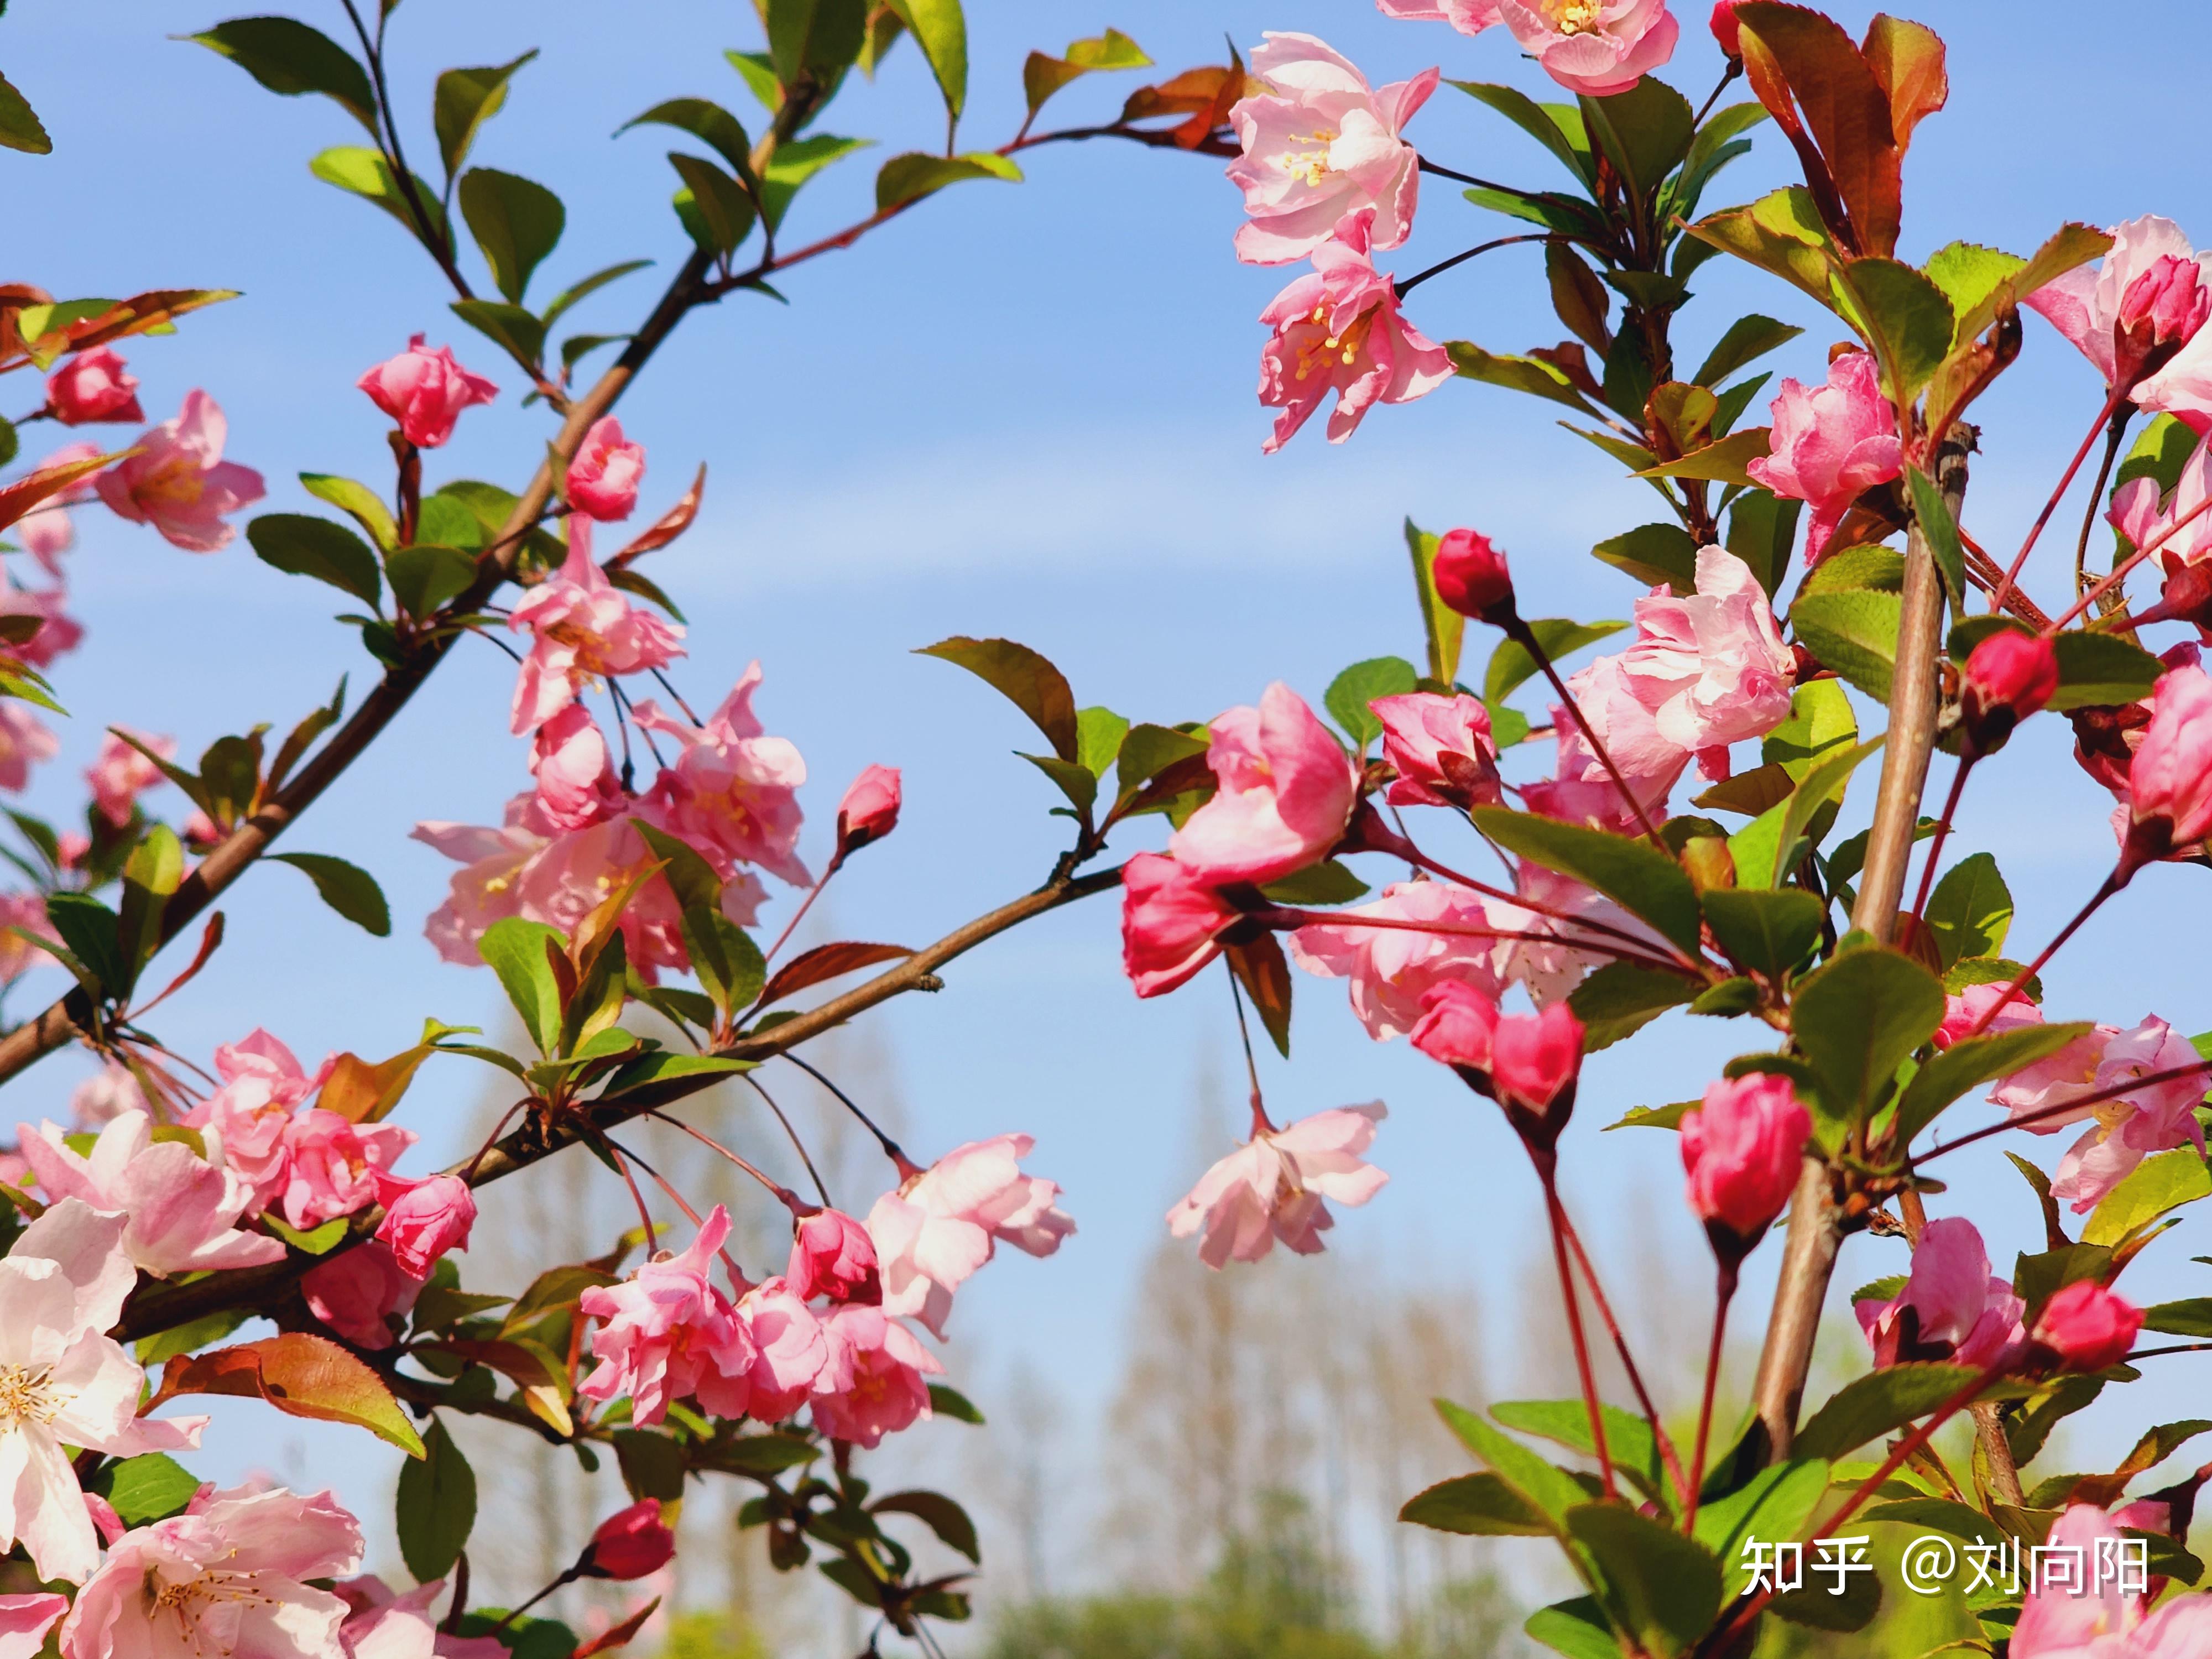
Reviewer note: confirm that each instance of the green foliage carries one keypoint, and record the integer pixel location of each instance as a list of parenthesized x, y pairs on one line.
[(20, 126), (346, 888), (1632, 873), (1024, 678), (516, 222), (465, 98), (292, 58), (1857, 1020), (1350, 693), (2161, 1182), (437, 1505), (1971, 910), (910, 177), (1874, 1405), (303, 546)]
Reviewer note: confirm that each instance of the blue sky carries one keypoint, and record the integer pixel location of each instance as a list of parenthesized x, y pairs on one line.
[(1022, 411)]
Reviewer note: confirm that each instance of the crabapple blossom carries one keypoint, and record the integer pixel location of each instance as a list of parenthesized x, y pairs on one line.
[(24, 742), (2009, 676), (1441, 749), (239, 1561), (1339, 329), (1392, 970), (778, 1348), (1473, 577), (1456, 1024), (425, 391), (2087, 1327), (262, 1082), (1617, 707), (732, 791), (25, 1620), (1741, 1149), (583, 629), (1727, 29), (122, 771), (2170, 778), (423, 1219), (631, 1543), (1830, 445), (104, 1095), (92, 386), (18, 955), (869, 810), (576, 782), (1711, 665), (1594, 47), (1951, 1308), (603, 479), (1170, 921), (380, 1625), (2096, 1615), (334, 1165), (1534, 1061), (55, 633), (183, 1209), (1277, 1185), (178, 482), (662, 1333), (938, 1225), (2134, 310), (1286, 791), (2178, 532), (356, 1291), (2130, 1125), (875, 1375), (1467, 16), (1318, 143), (832, 1255), (1963, 1013)]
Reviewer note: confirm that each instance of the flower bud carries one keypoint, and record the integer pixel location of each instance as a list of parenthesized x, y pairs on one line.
[(1458, 1022), (1170, 923), (423, 1219), (603, 479), (1728, 32), (632, 1543), (92, 386), (1535, 1062), (1471, 576), (2009, 676), (870, 809), (424, 391), (2162, 308), (1709, 861), (833, 1255), (2088, 1328), (1741, 1150)]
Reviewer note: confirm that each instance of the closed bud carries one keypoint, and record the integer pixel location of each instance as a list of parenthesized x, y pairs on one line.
[(2087, 1327), (632, 1543), (2162, 308), (1709, 862), (1741, 1150), (1456, 1023), (2009, 676), (1728, 32), (870, 809), (1535, 1063), (1471, 577)]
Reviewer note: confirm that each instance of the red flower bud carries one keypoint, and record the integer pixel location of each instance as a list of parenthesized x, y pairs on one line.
[(92, 386), (2009, 675), (870, 809), (631, 1543), (1741, 1150), (1727, 31), (833, 1255), (2088, 1328), (1471, 577), (1456, 1024), (2163, 307), (1534, 1061)]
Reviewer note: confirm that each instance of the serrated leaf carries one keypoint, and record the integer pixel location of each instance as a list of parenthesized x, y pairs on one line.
[(1770, 932), (1042, 75), (437, 1505), (1510, 664), (1024, 678), (1474, 1506), (1857, 1020), (1970, 1063), (302, 1375), (1652, 554), (705, 121), (20, 126), (941, 30), (1971, 910), (2098, 670), (1631, 873), (910, 177), (363, 173), (1747, 339), (1621, 998), (1350, 692), (1855, 633), (2163, 1182), (1877, 1404)]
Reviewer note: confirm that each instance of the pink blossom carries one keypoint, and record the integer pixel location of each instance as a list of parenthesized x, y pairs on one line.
[(1277, 1184), (1169, 923), (1582, 790), (576, 783), (423, 1219), (2146, 295), (1727, 29), (1963, 1013), (937, 1226), (58, 632), (483, 889), (334, 1163), (1286, 791), (880, 1370), (92, 386), (356, 1291), (24, 742), (1545, 957), (583, 629), (120, 772), (1535, 1061), (603, 479), (1441, 749), (2095, 1616), (106, 1096), (1339, 329), (1711, 667), (733, 791), (425, 392), (1456, 1025), (1951, 1307), (1830, 445), (832, 1255), (2180, 533), (2130, 1125), (262, 1082), (666, 1333), (779, 1350), (1467, 16), (1392, 970), (2170, 780), (380, 1625), (1319, 144), (2087, 1327), (1742, 1149), (178, 482), (1594, 47), (869, 810), (236, 1562), (2007, 676), (18, 956), (62, 1286), (631, 1543), (183, 1209), (25, 1620)]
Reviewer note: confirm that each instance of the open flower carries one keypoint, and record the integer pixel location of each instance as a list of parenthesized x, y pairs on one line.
[(576, 782), (182, 1210), (1318, 143), (263, 1084), (25, 1620), (1441, 749), (583, 629), (1594, 47), (1830, 445), (1711, 665), (1467, 16), (603, 479), (1339, 329), (92, 386), (178, 482), (1951, 1308), (1277, 1184), (936, 1228), (334, 1162), (357, 1292), (2130, 313), (1286, 791), (24, 742), (1170, 921), (875, 1379), (1392, 970), (2093, 1614), (666, 1334), (2128, 1125), (732, 791)]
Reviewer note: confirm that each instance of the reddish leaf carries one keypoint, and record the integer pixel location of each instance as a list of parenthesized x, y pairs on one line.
[(668, 526), (1907, 58), (1794, 51), (142, 311), (363, 1093), (619, 1636), (300, 1375), (826, 961), (539, 1379), (1025, 678), (1205, 96), (1261, 969), (20, 496)]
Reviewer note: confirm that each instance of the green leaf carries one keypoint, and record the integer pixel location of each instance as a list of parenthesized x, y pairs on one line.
[(2036, 1278), (1935, 520), (1857, 1020), (703, 120), (1822, 788), (570, 296), (1631, 873), (723, 955), (1747, 339), (1476, 1506), (1722, 461), (1969, 274), (1025, 678), (1906, 319), (144, 1490), (2192, 1318), (1534, 119), (1967, 1065), (465, 100), (941, 31), (1043, 76), (301, 1376), (951, 1402), (1821, 725), (1769, 932), (1621, 998), (1775, 1503), (318, 1241), (1099, 733), (515, 950), (1149, 751), (1669, 1117), (1444, 627), (1549, 1492), (2097, 670), (1652, 554), (437, 1506), (425, 578), (303, 546), (940, 1514), (1530, 375), (668, 1067), (652, 1465), (87, 927), (20, 126), (1645, 131), (796, 162), (359, 500), (1629, 1440), (910, 177), (1350, 692), (2162, 1181), (516, 222), (1853, 632), (1577, 1628), (1880, 568), (155, 866), (814, 38), (194, 1334), (1870, 1406), (1326, 882), (1762, 529), (511, 328), (1511, 664), (362, 173), (346, 888), (724, 211), (1663, 1588), (1971, 910), (290, 58)]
